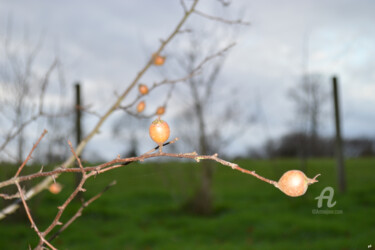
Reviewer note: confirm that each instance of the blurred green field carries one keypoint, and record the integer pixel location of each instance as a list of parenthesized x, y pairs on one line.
[(143, 211)]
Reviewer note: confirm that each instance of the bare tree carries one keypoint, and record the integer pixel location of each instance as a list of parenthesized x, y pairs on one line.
[(210, 111), (23, 90), (309, 98)]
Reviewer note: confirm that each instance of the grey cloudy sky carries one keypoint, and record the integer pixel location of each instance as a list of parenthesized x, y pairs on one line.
[(104, 44)]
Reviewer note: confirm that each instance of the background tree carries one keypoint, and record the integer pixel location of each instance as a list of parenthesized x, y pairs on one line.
[(23, 90), (127, 128), (309, 98), (207, 114)]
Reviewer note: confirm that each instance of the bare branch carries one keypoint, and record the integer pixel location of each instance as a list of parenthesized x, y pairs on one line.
[(29, 156), (9, 197), (184, 5), (44, 85), (195, 71), (224, 3), (220, 19), (90, 171), (75, 155), (11, 135), (33, 225), (79, 211)]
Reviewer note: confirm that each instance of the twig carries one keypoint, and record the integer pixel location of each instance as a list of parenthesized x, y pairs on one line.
[(157, 147), (44, 85), (183, 5), (79, 211), (10, 136), (77, 158), (78, 189), (195, 71), (33, 225), (29, 156), (9, 197), (125, 161), (220, 19), (88, 172), (224, 3)]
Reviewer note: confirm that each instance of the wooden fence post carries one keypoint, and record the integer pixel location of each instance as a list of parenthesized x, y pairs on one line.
[(78, 124), (339, 144)]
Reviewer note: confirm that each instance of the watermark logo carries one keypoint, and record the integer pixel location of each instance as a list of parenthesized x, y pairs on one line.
[(326, 194), (328, 197)]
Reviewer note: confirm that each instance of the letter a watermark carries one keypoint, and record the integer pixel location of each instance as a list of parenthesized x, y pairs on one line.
[(328, 197)]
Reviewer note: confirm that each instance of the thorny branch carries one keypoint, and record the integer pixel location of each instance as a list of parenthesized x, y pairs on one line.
[(79, 211), (195, 71), (33, 225), (43, 184), (29, 156), (119, 162), (68, 163), (88, 172)]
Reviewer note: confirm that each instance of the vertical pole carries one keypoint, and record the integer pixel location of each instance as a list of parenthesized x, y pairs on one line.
[(78, 128), (339, 153)]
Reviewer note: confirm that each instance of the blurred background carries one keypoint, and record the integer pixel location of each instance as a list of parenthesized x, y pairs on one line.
[(266, 103)]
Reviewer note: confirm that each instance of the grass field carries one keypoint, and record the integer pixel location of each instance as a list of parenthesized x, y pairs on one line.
[(143, 211)]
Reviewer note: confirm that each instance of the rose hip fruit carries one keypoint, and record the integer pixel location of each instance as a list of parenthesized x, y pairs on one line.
[(159, 131), (158, 60), (160, 111), (141, 106), (55, 188), (143, 89), (294, 183)]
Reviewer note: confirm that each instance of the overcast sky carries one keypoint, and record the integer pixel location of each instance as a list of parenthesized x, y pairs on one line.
[(103, 44)]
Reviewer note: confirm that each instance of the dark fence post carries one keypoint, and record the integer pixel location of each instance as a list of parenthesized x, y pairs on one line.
[(339, 146), (78, 127)]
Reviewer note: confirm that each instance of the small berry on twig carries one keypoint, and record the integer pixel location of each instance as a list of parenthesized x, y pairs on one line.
[(158, 60), (143, 89), (55, 188), (159, 132), (294, 183), (141, 106), (160, 110)]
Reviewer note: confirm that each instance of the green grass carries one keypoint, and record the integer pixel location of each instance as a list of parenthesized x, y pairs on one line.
[(143, 211)]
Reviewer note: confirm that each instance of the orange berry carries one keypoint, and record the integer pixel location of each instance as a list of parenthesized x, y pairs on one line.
[(55, 188), (160, 110), (159, 131), (141, 106), (294, 183), (158, 60), (143, 89)]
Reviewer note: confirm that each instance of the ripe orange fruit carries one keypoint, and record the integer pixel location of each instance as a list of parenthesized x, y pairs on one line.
[(160, 110), (55, 188), (143, 89), (159, 131), (141, 106), (294, 183), (158, 60)]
